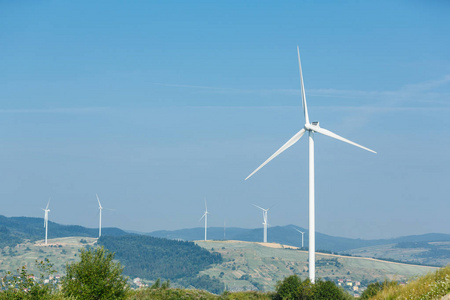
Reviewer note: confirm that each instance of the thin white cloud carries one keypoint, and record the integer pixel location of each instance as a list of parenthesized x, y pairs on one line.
[(419, 92)]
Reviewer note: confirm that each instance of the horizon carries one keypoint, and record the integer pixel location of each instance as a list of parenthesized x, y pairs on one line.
[(232, 227)]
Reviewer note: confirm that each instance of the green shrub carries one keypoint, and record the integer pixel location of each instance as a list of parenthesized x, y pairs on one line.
[(95, 276), (293, 287)]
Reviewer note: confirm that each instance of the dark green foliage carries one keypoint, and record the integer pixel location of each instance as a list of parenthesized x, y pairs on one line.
[(372, 290), (23, 286), (95, 276), (325, 290), (293, 287), (7, 238), (204, 282), (15, 230), (245, 277), (170, 294), (328, 262), (177, 294), (375, 287), (157, 284), (152, 258)]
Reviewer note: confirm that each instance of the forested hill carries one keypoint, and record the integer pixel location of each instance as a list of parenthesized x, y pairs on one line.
[(287, 235), (15, 230), (152, 258)]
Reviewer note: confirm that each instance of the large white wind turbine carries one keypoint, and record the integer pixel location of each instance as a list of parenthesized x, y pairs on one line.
[(311, 128), (301, 233), (205, 215), (264, 221), (100, 217), (46, 210)]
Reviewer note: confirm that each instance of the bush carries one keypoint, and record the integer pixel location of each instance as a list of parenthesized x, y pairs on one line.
[(95, 276), (293, 287), (328, 290)]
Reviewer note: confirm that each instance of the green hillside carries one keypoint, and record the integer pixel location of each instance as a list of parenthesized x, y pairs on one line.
[(234, 265), (428, 253), (16, 230), (59, 251), (152, 258), (258, 266)]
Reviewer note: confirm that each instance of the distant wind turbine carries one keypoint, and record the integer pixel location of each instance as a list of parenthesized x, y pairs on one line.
[(205, 215), (100, 217), (311, 128), (264, 221), (301, 233), (46, 210)]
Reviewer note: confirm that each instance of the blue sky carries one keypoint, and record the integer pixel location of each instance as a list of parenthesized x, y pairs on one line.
[(157, 105)]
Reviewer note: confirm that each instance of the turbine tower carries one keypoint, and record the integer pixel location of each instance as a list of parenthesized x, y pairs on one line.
[(46, 210), (301, 233), (264, 221), (205, 215), (100, 217), (311, 128)]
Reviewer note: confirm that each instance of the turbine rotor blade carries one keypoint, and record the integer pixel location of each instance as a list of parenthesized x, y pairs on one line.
[(288, 144), (338, 137), (305, 108), (258, 206), (202, 217), (98, 199), (48, 203)]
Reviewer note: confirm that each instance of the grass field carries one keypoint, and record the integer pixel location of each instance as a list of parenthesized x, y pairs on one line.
[(250, 266), (59, 251)]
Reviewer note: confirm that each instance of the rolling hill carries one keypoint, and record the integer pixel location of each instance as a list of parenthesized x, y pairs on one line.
[(288, 236), (215, 265), (258, 266), (426, 253), (15, 230)]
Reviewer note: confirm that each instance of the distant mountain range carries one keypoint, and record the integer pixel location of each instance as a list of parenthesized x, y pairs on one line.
[(14, 230), (287, 235)]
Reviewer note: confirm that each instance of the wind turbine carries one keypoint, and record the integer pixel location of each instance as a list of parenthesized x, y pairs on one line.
[(46, 210), (100, 217), (205, 215), (265, 221), (311, 128), (301, 233)]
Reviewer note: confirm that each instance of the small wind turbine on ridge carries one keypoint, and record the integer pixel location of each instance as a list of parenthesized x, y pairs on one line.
[(311, 127), (100, 207), (46, 210), (265, 217), (301, 233), (205, 215)]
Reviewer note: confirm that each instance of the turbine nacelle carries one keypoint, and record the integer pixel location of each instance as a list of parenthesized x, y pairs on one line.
[(312, 126)]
